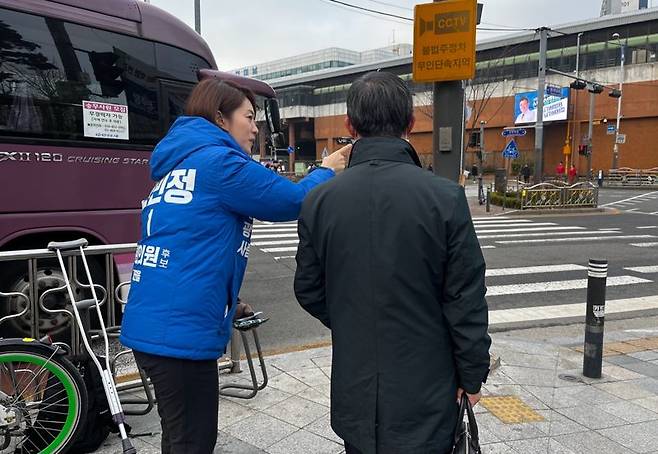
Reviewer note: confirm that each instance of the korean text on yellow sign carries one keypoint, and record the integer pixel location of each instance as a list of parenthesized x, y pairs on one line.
[(444, 40)]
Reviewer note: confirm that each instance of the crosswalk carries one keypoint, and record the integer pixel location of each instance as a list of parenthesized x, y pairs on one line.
[(636, 204), (510, 289), (280, 239)]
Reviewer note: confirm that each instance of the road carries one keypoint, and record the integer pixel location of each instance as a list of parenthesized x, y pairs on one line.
[(537, 267)]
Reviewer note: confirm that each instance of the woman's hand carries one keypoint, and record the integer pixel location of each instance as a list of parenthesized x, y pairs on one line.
[(337, 160)]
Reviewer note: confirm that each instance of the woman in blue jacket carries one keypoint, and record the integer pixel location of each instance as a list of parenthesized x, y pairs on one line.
[(191, 259)]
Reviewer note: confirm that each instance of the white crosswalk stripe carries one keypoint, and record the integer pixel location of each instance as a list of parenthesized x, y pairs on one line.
[(280, 237), (537, 313), (649, 269), (534, 269), (552, 286)]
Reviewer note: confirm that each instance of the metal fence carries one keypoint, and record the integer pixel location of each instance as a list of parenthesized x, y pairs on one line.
[(112, 296), (625, 176), (559, 195)]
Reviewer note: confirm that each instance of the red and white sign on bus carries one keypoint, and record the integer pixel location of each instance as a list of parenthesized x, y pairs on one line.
[(105, 121)]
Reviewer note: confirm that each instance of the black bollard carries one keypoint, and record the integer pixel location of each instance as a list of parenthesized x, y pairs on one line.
[(488, 198), (595, 318)]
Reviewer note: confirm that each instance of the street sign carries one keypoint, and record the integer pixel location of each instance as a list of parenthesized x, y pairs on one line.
[(621, 138), (444, 41), (511, 150), (611, 129), (553, 90), (511, 132), (291, 149)]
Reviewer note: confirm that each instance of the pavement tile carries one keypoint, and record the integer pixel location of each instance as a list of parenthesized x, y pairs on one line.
[(650, 403), (316, 396), (592, 417), (643, 367), (322, 361), (498, 448), (261, 430), (533, 348), (650, 343), (629, 411), (227, 444), (618, 372), (302, 442), (498, 377), (525, 360), (622, 360), (557, 424), (507, 432), (649, 384), (590, 443), (627, 390), (553, 397), (648, 355), (641, 437), (231, 412), (265, 399), (287, 383), (543, 445), (530, 376), (297, 411), (323, 428), (310, 376)]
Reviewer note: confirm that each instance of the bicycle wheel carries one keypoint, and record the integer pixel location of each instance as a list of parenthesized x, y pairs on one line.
[(43, 399)]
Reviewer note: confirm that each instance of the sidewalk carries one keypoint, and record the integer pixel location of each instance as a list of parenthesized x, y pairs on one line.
[(536, 401)]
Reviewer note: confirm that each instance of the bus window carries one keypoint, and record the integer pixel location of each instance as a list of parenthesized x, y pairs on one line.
[(48, 67)]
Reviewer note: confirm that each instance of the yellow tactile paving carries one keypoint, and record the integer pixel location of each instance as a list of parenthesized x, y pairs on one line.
[(625, 347), (510, 409), (649, 343)]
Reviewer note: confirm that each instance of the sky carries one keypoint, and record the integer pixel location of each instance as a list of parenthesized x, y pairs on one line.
[(246, 32)]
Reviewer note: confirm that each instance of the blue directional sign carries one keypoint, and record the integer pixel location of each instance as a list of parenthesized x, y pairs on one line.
[(514, 132), (511, 151), (291, 150), (611, 130), (553, 90)]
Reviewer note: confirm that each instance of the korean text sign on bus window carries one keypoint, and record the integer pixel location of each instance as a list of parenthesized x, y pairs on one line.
[(105, 121)]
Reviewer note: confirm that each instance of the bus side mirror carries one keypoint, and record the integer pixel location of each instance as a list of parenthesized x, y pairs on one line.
[(274, 123)]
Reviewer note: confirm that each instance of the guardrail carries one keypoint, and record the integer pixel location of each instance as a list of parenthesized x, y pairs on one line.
[(112, 296), (559, 195), (625, 176)]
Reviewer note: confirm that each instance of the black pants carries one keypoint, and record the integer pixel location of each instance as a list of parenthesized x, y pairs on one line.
[(188, 402)]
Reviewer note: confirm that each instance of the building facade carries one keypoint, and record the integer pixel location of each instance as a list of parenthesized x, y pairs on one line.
[(313, 105)]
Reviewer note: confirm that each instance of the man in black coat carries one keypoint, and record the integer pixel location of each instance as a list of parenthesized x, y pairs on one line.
[(389, 261)]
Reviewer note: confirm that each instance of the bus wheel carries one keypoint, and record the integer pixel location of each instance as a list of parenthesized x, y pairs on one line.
[(49, 277)]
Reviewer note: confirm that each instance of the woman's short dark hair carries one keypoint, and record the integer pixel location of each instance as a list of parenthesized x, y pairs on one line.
[(379, 104), (212, 95)]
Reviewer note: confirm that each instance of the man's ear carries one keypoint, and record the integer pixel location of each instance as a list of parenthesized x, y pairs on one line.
[(412, 122), (350, 128)]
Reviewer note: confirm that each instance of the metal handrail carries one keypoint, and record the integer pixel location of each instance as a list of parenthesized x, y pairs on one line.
[(36, 306)]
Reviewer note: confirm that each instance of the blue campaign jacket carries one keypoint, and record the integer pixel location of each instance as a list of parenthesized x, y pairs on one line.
[(196, 230)]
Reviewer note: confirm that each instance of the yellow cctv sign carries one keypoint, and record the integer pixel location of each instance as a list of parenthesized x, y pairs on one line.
[(444, 40)]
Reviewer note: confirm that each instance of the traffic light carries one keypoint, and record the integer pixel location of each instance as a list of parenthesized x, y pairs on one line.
[(107, 72), (615, 93), (578, 84), (595, 88)]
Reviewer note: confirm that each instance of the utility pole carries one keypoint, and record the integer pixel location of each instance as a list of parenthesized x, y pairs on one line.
[(197, 16), (541, 88), (590, 128), (615, 152)]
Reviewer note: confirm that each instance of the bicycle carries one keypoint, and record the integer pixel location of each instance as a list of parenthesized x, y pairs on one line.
[(43, 397)]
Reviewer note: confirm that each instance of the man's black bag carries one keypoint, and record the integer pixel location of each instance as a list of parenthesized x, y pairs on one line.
[(98, 422), (466, 435)]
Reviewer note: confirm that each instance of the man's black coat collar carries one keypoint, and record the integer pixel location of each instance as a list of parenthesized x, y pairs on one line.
[(383, 148)]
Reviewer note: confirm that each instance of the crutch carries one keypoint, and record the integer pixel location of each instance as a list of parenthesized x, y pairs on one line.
[(108, 383)]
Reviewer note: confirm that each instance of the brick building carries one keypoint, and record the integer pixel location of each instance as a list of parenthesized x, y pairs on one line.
[(313, 105)]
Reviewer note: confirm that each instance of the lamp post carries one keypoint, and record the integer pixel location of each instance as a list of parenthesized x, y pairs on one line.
[(615, 151)]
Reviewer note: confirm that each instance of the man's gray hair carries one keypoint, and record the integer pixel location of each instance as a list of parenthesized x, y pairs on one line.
[(379, 104)]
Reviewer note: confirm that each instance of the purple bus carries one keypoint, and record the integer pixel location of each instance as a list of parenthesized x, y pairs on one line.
[(87, 88)]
